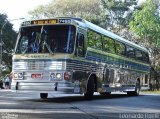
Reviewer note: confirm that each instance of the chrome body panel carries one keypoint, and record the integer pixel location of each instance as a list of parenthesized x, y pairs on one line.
[(44, 83), (43, 87), (109, 77)]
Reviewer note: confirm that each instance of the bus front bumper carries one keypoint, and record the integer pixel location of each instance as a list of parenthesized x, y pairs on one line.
[(45, 87)]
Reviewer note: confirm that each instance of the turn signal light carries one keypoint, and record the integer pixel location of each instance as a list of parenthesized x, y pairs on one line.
[(67, 75)]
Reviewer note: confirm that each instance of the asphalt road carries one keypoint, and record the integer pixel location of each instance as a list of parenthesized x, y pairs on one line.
[(116, 106)]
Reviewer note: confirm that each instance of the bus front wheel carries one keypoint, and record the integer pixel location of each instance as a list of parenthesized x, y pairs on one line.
[(90, 89), (43, 95)]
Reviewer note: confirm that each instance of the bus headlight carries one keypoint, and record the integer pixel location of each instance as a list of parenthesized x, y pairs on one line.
[(15, 76), (59, 76), (52, 75), (18, 75)]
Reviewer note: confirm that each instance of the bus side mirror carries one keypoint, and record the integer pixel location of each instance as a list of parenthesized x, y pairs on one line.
[(12, 52)]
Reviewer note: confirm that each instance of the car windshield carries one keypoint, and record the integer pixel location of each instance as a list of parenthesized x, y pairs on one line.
[(46, 39)]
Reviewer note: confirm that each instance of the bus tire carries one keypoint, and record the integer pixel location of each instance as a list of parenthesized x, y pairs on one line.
[(137, 90), (90, 89), (43, 95)]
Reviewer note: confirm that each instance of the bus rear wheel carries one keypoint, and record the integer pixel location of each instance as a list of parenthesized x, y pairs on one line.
[(90, 89), (43, 95), (137, 90)]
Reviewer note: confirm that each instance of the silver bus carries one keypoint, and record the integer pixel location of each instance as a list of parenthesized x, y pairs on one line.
[(74, 56)]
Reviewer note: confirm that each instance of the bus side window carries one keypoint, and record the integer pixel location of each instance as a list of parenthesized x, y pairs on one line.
[(80, 45), (130, 52), (108, 45), (120, 48), (94, 40), (139, 55), (145, 57)]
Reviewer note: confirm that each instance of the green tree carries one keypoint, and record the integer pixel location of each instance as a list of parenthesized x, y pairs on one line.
[(8, 41), (88, 9), (146, 24), (118, 12)]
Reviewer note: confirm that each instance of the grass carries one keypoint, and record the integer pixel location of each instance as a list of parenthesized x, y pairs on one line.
[(152, 92)]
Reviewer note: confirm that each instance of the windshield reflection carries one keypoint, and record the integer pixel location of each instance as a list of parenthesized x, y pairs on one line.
[(46, 39)]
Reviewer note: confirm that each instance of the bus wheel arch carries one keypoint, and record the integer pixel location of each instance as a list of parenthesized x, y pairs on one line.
[(91, 87), (137, 89)]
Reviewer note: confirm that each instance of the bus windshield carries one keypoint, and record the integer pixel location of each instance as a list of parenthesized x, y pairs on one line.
[(46, 39)]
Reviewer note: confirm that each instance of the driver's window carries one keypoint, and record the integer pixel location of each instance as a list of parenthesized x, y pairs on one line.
[(24, 44), (80, 44)]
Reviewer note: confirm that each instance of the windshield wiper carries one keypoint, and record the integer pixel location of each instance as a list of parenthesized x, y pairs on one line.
[(45, 43), (49, 49)]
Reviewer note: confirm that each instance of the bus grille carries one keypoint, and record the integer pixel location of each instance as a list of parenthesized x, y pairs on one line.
[(36, 65), (39, 65)]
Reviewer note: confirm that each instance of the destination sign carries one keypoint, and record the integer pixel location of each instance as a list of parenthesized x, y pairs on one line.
[(51, 21), (46, 21)]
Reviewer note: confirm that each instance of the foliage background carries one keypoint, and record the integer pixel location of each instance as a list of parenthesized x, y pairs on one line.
[(9, 39)]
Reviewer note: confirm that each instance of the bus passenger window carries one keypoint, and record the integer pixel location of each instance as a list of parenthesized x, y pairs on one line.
[(108, 45), (130, 52), (120, 48), (94, 40), (145, 57), (139, 55), (90, 37), (98, 40)]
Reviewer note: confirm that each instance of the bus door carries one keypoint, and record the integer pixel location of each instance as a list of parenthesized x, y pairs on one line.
[(80, 49), (79, 74)]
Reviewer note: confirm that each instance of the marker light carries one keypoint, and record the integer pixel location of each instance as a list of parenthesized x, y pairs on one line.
[(67, 75), (18, 75)]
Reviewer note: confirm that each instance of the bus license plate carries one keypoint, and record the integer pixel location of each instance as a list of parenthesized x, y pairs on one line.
[(36, 75)]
